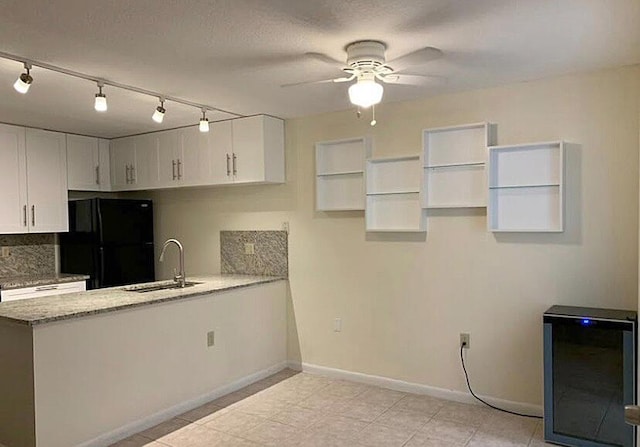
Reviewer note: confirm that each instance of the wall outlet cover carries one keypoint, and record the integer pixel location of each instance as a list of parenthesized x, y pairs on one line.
[(249, 248)]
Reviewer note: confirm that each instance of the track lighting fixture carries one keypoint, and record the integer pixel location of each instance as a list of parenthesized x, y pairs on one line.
[(204, 121), (24, 81), (158, 115), (100, 103)]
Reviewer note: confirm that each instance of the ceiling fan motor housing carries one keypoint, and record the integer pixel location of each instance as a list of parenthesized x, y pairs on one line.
[(366, 53)]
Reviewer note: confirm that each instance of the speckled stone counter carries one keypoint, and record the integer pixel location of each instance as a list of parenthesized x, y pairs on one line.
[(75, 305), (17, 282)]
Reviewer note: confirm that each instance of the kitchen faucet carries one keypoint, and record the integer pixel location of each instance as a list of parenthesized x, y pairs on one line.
[(177, 277)]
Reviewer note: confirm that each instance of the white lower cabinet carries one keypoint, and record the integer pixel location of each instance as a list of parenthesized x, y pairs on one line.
[(24, 293), (33, 187)]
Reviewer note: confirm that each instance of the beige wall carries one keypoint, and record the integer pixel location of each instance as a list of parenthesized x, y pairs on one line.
[(404, 299)]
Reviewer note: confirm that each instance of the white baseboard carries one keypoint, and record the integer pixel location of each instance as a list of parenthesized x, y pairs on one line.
[(161, 416), (416, 388)]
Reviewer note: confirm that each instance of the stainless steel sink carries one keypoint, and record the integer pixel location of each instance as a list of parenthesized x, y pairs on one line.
[(162, 286)]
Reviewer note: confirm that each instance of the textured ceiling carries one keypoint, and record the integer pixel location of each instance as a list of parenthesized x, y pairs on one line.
[(235, 54)]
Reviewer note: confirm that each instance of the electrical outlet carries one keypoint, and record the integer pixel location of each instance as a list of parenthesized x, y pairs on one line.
[(211, 339), (465, 339), (5, 252), (337, 325), (249, 248)]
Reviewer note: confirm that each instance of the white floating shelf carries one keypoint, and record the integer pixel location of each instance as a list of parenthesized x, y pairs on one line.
[(393, 195), (526, 187), (340, 168), (454, 161)]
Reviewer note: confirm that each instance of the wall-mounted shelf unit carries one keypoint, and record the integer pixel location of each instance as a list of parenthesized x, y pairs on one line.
[(340, 168), (526, 187), (453, 163), (393, 195)]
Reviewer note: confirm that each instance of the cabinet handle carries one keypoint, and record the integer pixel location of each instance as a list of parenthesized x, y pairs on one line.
[(228, 168), (43, 288), (127, 174), (133, 174), (235, 170), (97, 175), (24, 215), (33, 215), (179, 170), (173, 169)]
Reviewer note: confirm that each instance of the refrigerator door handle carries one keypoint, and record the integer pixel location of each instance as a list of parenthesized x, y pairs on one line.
[(101, 280)]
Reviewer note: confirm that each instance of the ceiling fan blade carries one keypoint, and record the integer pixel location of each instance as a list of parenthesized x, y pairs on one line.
[(412, 79), (418, 57), (321, 81), (324, 58)]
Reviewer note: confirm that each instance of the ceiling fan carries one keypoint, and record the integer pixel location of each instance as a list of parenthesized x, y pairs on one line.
[(366, 64)]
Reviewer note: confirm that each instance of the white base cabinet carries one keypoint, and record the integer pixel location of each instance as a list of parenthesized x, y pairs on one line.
[(24, 293)]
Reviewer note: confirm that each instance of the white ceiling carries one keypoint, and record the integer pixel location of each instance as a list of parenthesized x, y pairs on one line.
[(235, 54)]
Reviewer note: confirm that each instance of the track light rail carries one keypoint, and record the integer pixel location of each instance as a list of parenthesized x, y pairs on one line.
[(131, 88)]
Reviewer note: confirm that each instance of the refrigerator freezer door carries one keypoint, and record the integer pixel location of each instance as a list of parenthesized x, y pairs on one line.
[(125, 222)]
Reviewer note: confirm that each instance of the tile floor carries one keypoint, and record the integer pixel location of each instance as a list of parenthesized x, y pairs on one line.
[(298, 409)]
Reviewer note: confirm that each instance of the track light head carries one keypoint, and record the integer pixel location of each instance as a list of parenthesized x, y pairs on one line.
[(24, 81), (158, 114), (100, 103), (204, 122)]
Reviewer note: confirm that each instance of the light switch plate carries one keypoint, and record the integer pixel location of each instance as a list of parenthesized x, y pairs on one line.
[(249, 248), (5, 252)]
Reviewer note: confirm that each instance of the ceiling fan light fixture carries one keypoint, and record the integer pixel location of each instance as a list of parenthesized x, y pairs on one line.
[(24, 81), (158, 114), (366, 92)]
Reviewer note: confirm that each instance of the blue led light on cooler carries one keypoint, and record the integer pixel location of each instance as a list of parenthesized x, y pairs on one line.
[(585, 322)]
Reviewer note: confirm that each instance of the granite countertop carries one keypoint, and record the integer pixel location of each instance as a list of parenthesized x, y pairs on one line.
[(18, 282), (36, 311)]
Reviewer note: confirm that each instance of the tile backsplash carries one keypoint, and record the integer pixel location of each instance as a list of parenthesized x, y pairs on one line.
[(28, 254), (270, 257)]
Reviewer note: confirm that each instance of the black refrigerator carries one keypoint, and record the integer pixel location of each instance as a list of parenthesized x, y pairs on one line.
[(111, 240)]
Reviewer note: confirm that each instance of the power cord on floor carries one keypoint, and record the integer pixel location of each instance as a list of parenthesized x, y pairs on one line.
[(466, 376)]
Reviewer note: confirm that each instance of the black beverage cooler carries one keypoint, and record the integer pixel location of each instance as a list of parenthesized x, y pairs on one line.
[(589, 376)]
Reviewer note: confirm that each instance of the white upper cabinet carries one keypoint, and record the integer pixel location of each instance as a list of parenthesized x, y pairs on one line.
[(258, 150), (146, 167), (104, 163), (204, 154), (123, 160), (46, 155), (13, 181), (83, 163), (170, 159)]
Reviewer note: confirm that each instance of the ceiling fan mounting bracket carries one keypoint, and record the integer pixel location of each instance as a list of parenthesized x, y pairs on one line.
[(366, 54)]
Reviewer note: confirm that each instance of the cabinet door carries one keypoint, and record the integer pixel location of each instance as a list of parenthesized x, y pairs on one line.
[(197, 156), (248, 149), (47, 181), (123, 158), (104, 173), (13, 181), (170, 164), (221, 149), (83, 159), (145, 173)]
